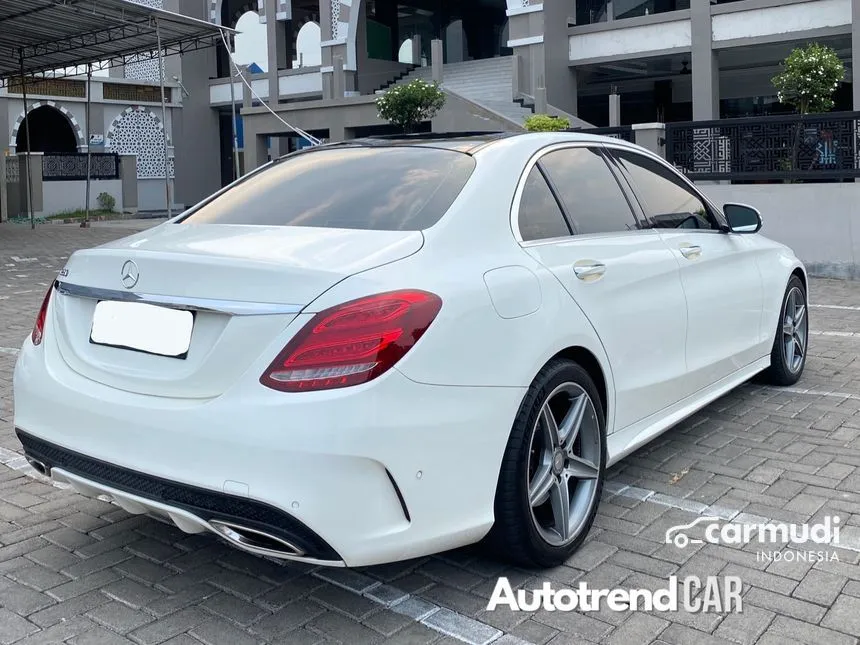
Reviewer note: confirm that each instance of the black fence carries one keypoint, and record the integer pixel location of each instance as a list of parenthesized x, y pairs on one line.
[(811, 147), (623, 132), (68, 166)]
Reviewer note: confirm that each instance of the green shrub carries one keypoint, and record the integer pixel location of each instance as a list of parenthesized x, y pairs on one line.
[(106, 202), (405, 106), (546, 123)]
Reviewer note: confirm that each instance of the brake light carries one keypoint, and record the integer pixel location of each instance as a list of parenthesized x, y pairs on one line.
[(353, 343), (39, 327)]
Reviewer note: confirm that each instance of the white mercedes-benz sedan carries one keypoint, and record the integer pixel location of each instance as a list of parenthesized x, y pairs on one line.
[(385, 348)]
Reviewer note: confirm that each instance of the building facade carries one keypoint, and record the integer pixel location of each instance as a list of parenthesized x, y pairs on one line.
[(597, 62), (125, 119), (606, 62)]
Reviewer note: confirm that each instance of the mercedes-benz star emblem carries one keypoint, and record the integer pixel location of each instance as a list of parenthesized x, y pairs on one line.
[(130, 274)]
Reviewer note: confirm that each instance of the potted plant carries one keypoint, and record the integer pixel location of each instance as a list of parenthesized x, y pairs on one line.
[(546, 123), (406, 106), (810, 76)]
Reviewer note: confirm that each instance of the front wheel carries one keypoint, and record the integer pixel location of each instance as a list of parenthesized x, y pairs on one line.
[(788, 356), (553, 469)]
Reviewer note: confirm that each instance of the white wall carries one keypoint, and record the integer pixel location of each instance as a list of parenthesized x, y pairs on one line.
[(151, 195), (220, 92), (631, 40), (773, 23), (58, 196), (300, 83), (821, 222), (782, 20)]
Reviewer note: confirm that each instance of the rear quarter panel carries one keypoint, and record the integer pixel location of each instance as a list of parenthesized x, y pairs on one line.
[(479, 339)]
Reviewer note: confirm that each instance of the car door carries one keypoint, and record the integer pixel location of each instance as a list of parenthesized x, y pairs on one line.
[(624, 279), (719, 272)]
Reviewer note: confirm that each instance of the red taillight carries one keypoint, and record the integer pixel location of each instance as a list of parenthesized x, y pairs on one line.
[(353, 343), (39, 327)]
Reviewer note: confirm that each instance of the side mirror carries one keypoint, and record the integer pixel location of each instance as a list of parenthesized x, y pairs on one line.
[(742, 218)]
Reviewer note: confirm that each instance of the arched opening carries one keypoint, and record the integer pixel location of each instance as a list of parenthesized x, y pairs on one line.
[(456, 49), (251, 41), (308, 40), (235, 14), (51, 132), (505, 36), (404, 55)]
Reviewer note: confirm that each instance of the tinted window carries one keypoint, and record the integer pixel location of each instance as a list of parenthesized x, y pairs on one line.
[(540, 217), (589, 191), (386, 189), (667, 201)]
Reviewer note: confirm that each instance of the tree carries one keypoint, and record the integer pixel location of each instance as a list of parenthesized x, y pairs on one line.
[(405, 106), (809, 77), (546, 123)]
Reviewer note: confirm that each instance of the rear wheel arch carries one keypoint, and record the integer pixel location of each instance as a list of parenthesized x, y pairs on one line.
[(800, 273), (590, 364)]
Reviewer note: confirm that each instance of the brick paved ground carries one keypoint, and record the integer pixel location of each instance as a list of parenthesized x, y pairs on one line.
[(83, 571)]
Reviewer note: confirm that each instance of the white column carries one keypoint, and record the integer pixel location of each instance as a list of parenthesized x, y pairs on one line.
[(705, 67)]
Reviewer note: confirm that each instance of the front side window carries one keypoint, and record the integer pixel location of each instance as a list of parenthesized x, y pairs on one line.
[(667, 201), (540, 218), (589, 191), (405, 188)]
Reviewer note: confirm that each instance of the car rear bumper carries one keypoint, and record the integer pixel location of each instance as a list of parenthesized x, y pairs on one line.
[(375, 473), (186, 506)]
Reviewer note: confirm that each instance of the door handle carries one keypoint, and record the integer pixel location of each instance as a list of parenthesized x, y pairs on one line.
[(589, 270), (691, 252)]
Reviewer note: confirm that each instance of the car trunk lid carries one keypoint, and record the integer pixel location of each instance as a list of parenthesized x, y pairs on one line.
[(242, 284)]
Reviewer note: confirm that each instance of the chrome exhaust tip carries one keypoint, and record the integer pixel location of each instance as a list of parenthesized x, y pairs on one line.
[(38, 466), (255, 541)]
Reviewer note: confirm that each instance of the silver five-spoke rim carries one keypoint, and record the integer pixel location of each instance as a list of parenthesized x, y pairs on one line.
[(564, 464), (795, 327)]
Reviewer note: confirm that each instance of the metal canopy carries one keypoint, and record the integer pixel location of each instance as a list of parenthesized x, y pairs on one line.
[(56, 38), (54, 35)]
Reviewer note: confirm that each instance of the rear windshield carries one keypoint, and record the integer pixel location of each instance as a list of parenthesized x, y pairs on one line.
[(383, 189)]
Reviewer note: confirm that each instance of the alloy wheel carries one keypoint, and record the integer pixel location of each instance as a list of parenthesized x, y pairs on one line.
[(564, 464), (795, 328)]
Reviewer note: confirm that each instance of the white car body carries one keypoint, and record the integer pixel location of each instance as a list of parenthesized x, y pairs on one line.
[(406, 464)]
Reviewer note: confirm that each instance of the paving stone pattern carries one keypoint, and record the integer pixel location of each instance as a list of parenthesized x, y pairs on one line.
[(82, 571)]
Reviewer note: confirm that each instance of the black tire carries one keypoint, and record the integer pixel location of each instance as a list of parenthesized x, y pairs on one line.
[(780, 372), (514, 536)]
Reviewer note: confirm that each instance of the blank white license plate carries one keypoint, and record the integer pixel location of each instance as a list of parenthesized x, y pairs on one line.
[(142, 327)]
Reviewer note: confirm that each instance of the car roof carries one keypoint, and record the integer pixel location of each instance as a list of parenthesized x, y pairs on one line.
[(467, 142), (471, 142)]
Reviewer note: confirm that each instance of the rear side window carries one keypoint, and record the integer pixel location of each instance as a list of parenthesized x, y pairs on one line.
[(589, 191), (540, 218), (381, 189)]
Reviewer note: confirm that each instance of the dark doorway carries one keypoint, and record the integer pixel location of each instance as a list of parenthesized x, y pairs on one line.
[(226, 139), (52, 132), (470, 30)]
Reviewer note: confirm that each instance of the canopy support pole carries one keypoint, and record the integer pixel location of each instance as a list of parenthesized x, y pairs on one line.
[(26, 123), (86, 222), (163, 118), (233, 121)]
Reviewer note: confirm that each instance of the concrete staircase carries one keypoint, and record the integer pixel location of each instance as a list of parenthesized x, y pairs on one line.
[(486, 82)]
